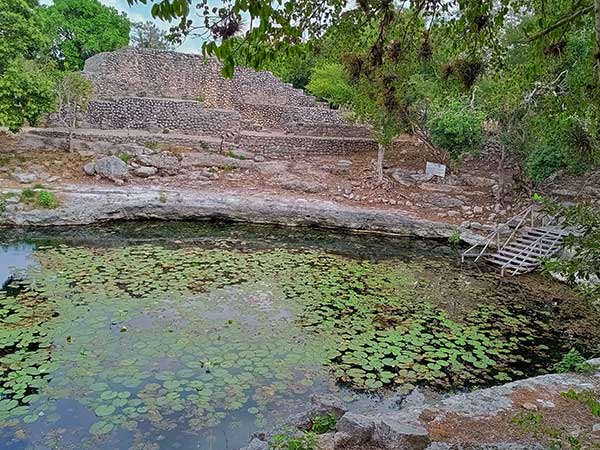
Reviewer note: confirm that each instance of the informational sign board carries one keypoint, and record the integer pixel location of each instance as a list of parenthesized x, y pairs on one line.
[(438, 170)]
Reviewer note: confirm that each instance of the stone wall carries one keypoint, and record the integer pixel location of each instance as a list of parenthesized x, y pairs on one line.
[(184, 116), (287, 145), (154, 73), (153, 90)]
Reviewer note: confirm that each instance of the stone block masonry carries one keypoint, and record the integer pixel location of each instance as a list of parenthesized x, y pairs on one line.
[(184, 116), (167, 92)]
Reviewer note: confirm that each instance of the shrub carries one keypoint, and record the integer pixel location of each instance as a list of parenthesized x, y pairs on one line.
[(544, 161), (125, 157), (304, 441), (573, 361), (39, 198), (457, 128), (323, 424), (329, 82), (47, 200)]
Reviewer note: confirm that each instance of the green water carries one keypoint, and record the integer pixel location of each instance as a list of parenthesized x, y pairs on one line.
[(160, 336)]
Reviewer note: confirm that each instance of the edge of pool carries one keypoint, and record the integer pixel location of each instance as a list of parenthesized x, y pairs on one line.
[(90, 205)]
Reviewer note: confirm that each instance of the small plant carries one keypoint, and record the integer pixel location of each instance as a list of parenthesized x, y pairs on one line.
[(588, 398), (47, 200), (152, 145), (39, 198), (27, 194), (528, 422), (200, 98), (454, 239), (323, 424), (162, 197), (125, 157), (304, 441), (231, 154), (573, 361)]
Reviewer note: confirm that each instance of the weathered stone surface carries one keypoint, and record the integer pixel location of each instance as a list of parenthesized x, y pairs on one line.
[(355, 429), (145, 171), (395, 432), (310, 187), (24, 178), (327, 404), (164, 162), (89, 205), (111, 167), (90, 168)]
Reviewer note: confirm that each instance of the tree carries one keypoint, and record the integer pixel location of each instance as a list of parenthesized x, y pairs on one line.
[(74, 93), (20, 34), (26, 92), (148, 35), (83, 28)]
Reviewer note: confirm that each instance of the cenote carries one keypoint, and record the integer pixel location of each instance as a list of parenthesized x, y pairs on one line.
[(196, 335)]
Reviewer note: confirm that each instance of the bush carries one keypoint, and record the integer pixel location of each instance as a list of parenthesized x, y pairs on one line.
[(39, 198), (329, 83), (457, 128), (47, 200), (544, 161), (573, 361)]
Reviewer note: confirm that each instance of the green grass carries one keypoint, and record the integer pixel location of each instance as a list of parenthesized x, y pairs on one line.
[(125, 157)]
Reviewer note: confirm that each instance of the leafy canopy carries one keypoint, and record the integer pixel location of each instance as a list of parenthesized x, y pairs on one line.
[(82, 28)]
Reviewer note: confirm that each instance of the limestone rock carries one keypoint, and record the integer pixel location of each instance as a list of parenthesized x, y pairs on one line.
[(111, 167), (24, 178), (165, 163), (259, 158), (145, 171), (327, 404), (354, 429), (422, 177), (310, 187), (394, 432), (90, 168)]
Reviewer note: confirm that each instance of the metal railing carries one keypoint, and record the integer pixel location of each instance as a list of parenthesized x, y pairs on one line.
[(496, 235), (527, 217), (523, 255)]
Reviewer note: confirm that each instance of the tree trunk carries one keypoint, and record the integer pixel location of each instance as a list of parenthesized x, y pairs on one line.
[(501, 175), (72, 128), (380, 155), (597, 53)]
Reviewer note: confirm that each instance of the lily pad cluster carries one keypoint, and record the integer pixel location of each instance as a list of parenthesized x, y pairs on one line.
[(190, 337)]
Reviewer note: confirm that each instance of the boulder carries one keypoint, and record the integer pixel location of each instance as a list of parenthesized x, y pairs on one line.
[(90, 168), (354, 429), (166, 163), (24, 178), (111, 167), (325, 404), (145, 171), (310, 187), (396, 432)]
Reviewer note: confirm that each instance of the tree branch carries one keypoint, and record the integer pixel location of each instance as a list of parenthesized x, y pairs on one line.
[(564, 21)]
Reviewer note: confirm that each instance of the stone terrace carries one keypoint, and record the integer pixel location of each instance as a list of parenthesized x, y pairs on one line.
[(185, 96)]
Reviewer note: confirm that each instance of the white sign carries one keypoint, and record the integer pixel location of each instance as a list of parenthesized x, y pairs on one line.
[(438, 170)]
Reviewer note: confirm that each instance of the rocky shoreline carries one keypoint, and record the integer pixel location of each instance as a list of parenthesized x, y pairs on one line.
[(529, 414), (82, 205)]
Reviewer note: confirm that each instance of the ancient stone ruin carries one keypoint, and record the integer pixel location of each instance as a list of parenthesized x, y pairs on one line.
[(142, 94)]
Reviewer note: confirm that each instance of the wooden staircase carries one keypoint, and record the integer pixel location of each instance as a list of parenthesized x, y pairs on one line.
[(531, 238)]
